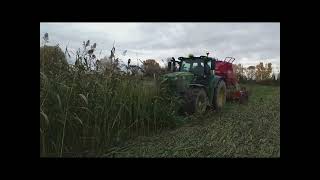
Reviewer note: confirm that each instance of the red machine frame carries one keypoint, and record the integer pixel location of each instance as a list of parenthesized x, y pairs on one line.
[(225, 69)]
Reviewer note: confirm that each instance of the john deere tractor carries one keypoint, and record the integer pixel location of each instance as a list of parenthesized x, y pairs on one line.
[(195, 80), (203, 82)]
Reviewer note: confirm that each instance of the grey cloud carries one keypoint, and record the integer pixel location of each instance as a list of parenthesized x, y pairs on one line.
[(252, 41)]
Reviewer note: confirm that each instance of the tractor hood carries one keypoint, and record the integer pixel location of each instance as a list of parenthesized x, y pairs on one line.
[(179, 80), (175, 75)]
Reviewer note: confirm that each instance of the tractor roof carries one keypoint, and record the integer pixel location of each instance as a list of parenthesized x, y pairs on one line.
[(195, 58)]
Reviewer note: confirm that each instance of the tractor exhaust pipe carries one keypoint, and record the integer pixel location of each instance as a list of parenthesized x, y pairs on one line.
[(174, 64), (169, 66)]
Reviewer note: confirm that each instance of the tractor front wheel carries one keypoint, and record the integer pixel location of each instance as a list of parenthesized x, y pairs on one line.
[(196, 101)]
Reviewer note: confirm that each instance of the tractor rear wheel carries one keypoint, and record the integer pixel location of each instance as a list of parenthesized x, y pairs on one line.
[(219, 98), (196, 101)]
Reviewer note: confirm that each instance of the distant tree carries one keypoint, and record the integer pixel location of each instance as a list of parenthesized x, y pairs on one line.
[(240, 72), (251, 72), (52, 59), (259, 71), (268, 71), (151, 67), (263, 72)]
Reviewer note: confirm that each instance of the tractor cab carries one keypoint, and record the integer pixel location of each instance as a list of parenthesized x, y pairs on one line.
[(202, 66)]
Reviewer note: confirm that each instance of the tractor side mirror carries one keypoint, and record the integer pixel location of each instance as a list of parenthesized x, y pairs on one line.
[(169, 66), (213, 65)]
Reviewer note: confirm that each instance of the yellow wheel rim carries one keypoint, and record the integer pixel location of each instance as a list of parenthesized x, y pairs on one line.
[(201, 105), (221, 97)]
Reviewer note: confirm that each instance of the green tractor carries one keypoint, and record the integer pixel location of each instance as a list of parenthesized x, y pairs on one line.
[(195, 80)]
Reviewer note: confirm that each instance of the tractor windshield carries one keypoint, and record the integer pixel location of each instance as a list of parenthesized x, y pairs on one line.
[(193, 66), (185, 66)]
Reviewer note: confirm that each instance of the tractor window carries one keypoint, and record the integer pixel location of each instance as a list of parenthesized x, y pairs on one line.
[(192, 66), (198, 68), (185, 66), (195, 64)]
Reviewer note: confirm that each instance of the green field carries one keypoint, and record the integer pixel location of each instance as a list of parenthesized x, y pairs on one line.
[(251, 130)]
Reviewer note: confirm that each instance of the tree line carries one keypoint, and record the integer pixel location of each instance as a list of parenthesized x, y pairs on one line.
[(261, 74)]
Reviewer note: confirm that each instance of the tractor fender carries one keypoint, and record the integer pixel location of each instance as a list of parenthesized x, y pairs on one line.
[(196, 85), (213, 85), (216, 81)]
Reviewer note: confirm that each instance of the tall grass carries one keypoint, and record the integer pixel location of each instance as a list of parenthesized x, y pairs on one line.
[(82, 113)]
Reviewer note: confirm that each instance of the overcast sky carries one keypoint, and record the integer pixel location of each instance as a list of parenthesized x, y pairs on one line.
[(249, 43)]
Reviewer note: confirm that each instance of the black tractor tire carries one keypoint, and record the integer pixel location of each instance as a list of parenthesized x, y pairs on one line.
[(196, 101), (219, 98)]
